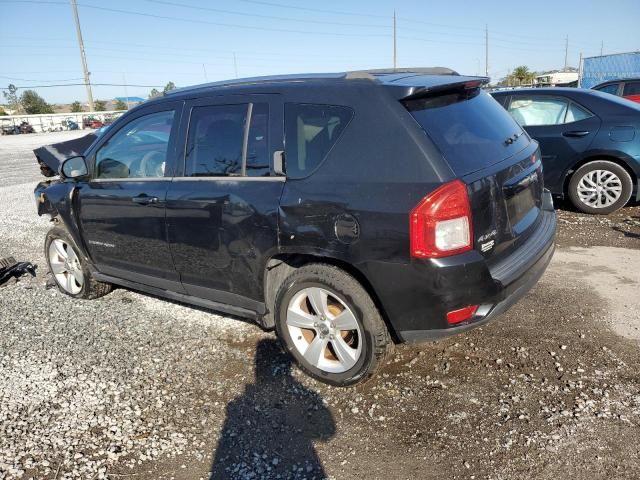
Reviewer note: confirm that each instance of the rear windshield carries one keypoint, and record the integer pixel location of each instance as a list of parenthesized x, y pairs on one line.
[(470, 128)]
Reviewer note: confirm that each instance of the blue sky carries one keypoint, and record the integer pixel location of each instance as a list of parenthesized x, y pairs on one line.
[(38, 39)]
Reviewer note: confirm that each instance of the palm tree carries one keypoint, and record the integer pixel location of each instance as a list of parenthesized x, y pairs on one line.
[(522, 73)]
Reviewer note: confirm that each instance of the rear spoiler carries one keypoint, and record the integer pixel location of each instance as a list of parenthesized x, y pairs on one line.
[(466, 84)]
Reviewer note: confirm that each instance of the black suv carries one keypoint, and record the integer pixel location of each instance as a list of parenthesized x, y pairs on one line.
[(348, 211)]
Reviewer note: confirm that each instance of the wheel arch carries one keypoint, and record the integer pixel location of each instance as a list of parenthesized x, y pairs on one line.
[(280, 266)]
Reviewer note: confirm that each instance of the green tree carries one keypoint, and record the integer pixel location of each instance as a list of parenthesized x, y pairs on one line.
[(100, 105), (76, 107), (120, 105), (522, 74), (168, 87), (11, 97), (154, 93), (2, 112), (34, 103)]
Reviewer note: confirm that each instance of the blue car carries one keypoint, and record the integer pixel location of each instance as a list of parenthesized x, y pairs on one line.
[(590, 143)]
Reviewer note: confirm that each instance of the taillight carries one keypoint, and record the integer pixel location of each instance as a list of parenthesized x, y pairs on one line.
[(440, 225), (461, 315)]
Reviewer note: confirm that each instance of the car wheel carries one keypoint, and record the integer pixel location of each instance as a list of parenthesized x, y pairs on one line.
[(600, 187), (330, 325), (69, 270)]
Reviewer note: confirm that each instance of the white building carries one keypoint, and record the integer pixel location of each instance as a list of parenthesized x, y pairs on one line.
[(556, 79)]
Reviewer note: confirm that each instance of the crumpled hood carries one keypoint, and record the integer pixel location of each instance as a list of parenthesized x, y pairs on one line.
[(51, 156)]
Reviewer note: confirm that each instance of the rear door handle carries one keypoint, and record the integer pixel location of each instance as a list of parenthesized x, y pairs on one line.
[(578, 133), (145, 200)]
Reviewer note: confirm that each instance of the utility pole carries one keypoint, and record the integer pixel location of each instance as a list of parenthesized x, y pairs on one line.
[(566, 51), (395, 41), (486, 50), (83, 56), (205, 73), (126, 92), (601, 47), (235, 64), (580, 71)]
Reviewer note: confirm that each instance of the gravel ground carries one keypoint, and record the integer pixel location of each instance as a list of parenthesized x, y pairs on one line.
[(130, 386)]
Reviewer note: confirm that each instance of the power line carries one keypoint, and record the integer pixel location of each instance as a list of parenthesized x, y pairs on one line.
[(256, 15), (94, 84), (230, 25), (309, 9), (508, 37), (32, 80)]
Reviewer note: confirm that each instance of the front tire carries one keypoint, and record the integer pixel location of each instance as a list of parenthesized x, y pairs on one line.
[(70, 271), (328, 322), (600, 187)]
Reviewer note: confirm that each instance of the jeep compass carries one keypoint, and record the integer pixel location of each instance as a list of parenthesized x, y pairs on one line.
[(347, 211)]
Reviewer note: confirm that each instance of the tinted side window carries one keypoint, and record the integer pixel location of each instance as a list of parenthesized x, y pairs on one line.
[(214, 143), (612, 89), (529, 111), (258, 164), (137, 150), (631, 88), (310, 132)]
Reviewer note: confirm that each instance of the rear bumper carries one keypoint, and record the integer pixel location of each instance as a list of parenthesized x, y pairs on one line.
[(487, 312), (416, 297)]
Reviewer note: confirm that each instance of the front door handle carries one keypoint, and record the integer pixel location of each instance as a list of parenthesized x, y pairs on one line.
[(578, 133), (145, 200)]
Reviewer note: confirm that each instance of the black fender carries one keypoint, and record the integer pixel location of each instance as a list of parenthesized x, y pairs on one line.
[(58, 199)]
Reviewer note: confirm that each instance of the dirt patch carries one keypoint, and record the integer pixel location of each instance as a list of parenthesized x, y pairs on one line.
[(619, 229), (614, 273)]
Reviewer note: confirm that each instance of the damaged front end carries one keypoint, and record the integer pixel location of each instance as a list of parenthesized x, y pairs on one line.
[(50, 157), (43, 204), (51, 194)]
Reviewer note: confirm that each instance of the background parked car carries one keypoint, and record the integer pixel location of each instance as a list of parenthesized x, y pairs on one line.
[(589, 141), (8, 128), (69, 124), (628, 88), (92, 122), (25, 127)]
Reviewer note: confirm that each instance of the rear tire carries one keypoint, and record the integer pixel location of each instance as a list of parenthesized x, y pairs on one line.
[(600, 187), (69, 269), (330, 325)]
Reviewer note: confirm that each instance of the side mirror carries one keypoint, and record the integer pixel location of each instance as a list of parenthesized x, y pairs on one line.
[(74, 168), (278, 162)]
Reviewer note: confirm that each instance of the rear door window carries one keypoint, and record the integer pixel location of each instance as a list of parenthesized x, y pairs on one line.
[(470, 129), (258, 164), (543, 110), (536, 111), (576, 113), (631, 88), (611, 88), (310, 132), (214, 145)]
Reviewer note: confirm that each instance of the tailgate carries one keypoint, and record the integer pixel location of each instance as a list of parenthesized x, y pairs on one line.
[(506, 202), (491, 153)]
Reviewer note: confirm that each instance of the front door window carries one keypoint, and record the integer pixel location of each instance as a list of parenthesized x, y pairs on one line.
[(138, 150)]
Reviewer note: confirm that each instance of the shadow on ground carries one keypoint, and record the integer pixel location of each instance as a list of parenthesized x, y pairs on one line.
[(269, 430)]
